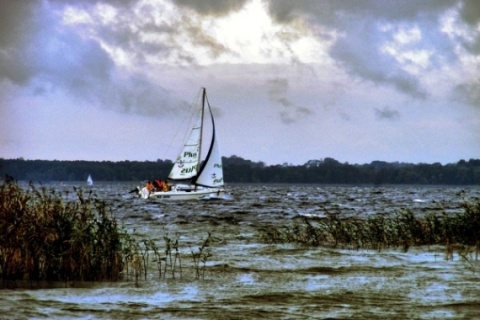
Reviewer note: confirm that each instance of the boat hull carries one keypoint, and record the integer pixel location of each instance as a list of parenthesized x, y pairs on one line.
[(173, 195)]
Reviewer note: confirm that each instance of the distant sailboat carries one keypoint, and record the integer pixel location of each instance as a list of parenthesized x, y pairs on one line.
[(189, 177), (89, 180)]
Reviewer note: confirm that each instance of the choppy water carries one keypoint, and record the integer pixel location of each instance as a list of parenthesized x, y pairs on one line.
[(245, 279)]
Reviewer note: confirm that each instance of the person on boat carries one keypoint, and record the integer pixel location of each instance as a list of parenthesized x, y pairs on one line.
[(162, 186), (149, 186)]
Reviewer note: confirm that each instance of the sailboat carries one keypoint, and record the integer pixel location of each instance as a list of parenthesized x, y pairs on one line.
[(89, 180), (190, 178)]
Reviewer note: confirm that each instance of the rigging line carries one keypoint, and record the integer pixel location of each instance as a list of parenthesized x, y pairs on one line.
[(187, 121)]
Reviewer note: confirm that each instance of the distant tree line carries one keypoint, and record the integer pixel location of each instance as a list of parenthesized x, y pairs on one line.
[(331, 171), (239, 170)]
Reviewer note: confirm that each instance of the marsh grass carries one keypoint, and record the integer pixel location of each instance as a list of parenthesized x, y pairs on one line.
[(200, 257), (166, 260), (457, 232), (50, 236), (44, 238)]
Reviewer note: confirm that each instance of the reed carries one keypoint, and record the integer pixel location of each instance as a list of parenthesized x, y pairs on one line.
[(44, 238), (460, 232), (172, 255), (158, 258), (202, 255), (132, 259), (47, 235)]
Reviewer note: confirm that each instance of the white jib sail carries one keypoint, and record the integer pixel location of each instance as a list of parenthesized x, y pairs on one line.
[(186, 165)]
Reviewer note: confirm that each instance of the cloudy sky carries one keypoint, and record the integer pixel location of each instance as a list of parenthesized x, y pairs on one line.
[(289, 81)]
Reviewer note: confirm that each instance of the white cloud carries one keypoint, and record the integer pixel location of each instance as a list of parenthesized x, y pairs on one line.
[(406, 48)]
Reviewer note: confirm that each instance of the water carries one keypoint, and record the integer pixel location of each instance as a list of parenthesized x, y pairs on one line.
[(246, 279)]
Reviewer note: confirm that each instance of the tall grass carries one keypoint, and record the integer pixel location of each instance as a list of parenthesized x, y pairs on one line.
[(43, 237), (46, 235), (402, 230)]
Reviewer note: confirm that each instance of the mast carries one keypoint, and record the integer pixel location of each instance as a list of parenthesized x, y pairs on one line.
[(210, 173), (201, 131)]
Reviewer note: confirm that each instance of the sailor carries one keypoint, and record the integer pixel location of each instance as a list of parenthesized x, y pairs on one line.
[(164, 186), (161, 185), (149, 186)]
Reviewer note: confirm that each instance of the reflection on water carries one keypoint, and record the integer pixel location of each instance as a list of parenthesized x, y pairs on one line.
[(248, 280)]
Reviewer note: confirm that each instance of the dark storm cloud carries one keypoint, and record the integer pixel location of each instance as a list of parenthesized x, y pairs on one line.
[(36, 53), (469, 93), (277, 87), (387, 113), (215, 49), (138, 95), (358, 25), (333, 12), (212, 7), (289, 112), (18, 20), (90, 3), (367, 62), (470, 14), (470, 11)]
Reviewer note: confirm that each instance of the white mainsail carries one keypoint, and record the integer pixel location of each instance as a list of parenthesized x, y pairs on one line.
[(211, 174), (89, 180)]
